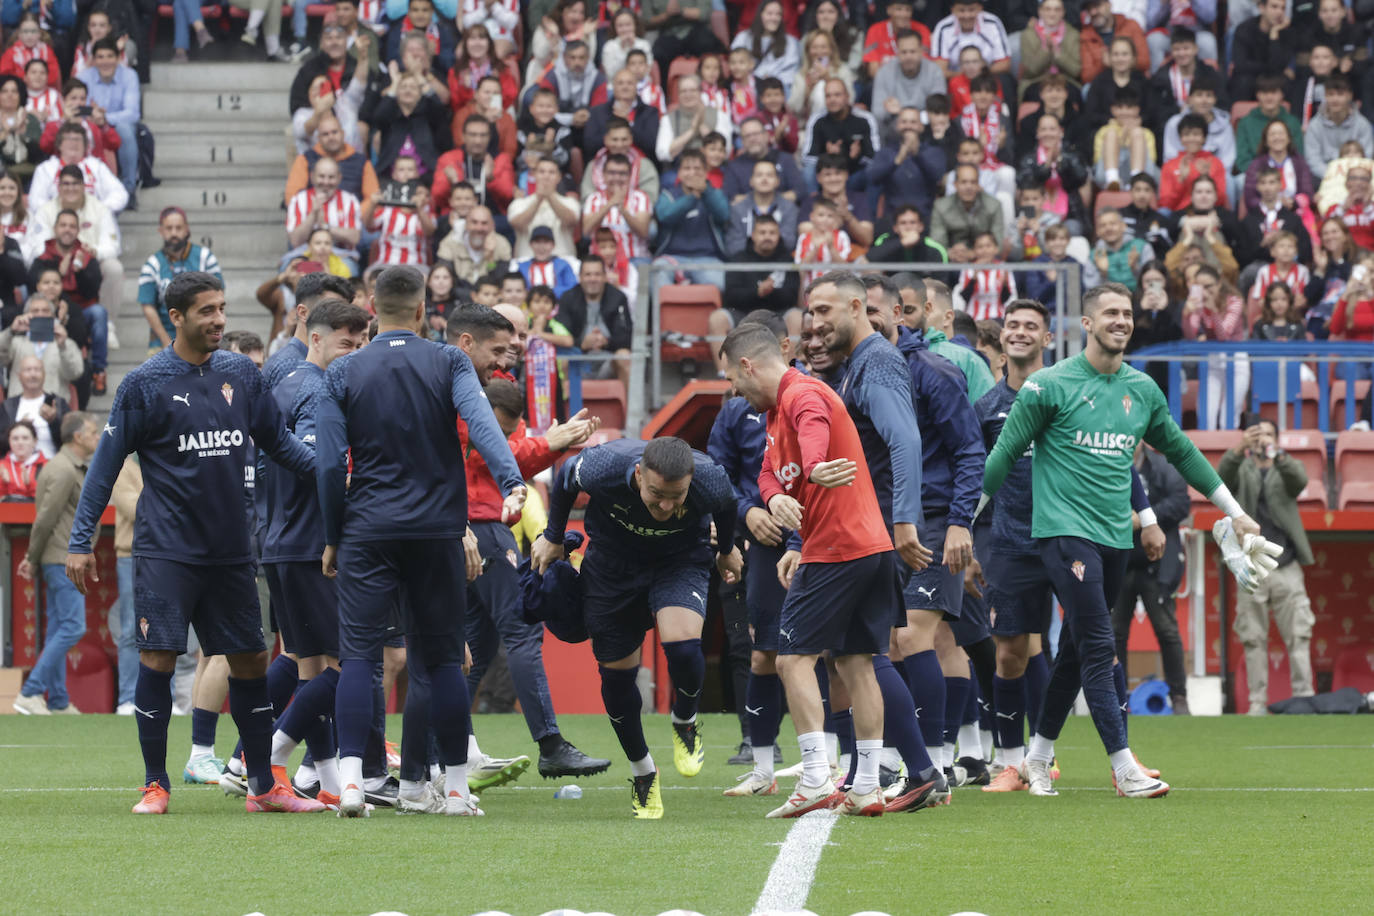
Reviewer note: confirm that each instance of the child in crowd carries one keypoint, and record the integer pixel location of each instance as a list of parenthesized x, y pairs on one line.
[(513, 288), (986, 290), (1279, 317), (539, 133), (713, 148), (404, 229), (1142, 220), (1285, 269), (1179, 173), (1032, 219), (744, 96), (620, 273), (940, 129), (44, 101), (1124, 146), (1041, 286), (772, 111), (544, 269), (714, 93), (825, 242), (971, 66), (986, 119), (30, 44), (650, 93), (544, 376)]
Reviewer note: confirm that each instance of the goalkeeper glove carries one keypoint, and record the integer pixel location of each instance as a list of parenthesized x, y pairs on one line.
[(1250, 559)]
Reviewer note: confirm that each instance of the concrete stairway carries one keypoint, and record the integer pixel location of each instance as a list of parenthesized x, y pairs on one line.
[(221, 156)]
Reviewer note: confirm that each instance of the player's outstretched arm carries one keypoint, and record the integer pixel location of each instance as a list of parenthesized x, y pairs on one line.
[(566, 487), (1164, 434), (279, 443)]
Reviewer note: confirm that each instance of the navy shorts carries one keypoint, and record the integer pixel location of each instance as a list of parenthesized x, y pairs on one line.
[(620, 598), (972, 625), (1020, 594), (934, 588), (764, 594), (846, 608), (221, 602), (308, 604), (426, 579)]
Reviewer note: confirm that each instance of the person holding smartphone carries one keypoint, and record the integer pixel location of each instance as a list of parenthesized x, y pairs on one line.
[(38, 333)]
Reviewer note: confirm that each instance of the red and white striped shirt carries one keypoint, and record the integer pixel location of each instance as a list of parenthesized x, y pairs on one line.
[(370, 12), (402, 239), (986, 292), (342, 211), (636, 201), (819, 248), (46, 106), (17, 57), (1296, 277), (1359, 218)]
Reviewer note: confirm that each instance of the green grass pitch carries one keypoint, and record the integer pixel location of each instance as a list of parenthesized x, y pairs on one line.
[(1267, 816)]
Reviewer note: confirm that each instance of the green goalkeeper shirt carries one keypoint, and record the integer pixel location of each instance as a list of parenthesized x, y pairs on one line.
[(1085, 426)]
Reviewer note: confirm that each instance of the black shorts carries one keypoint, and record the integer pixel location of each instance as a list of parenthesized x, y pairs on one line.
[(1020, 595), (972, 625), (221, 602), (620, 599), (846, 608), (934, 588), (308, 605), (763, 594), (425, 579)]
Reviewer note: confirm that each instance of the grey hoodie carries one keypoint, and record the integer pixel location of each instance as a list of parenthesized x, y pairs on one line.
[(1322, 142)]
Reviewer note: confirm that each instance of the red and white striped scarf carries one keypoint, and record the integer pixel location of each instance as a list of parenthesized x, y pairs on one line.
[(599, 167), (541, 273), (744, 102), (987, 130), (1180, 84), (1050, 38)]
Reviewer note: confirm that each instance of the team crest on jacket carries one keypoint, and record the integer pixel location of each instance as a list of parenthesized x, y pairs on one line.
[(143, 626), (1126, 403), (228, 391), (1077, 568), (513, 558)]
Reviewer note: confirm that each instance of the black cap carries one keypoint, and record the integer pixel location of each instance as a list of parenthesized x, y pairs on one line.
[(541, 232)]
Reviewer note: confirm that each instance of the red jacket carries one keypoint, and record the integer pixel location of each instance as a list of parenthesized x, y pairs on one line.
[(532, 454), (20, 480), (1093, 52), (103, 139), (1359, 326), (1175, 192), (500, 181), (460, 93)]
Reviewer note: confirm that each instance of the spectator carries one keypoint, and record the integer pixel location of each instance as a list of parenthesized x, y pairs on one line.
[(543, 207), (487, 103), (967, 24), (689, 123), (330, 82), (1143, 221), (762, 200), (1357, 210), (620, 141), (1219, 139), (775, 290), (33, 405), (364, 41), (20, 131), (31, 44), (984, 119), (477, 248), (907, 242), (1170, 86), (59, 489), (1042, 286), (73, 148), (1121, 74), (692, 217), (98, 26), (566, 25), (1215, 311), (356, 175), (1307, 90), (21, 463), (324, 204), (626, 36), (909, 171), (43, 102), (823, 240), (880, 44), (1157, 320), (1266, 482), (103, 138), (514, 289), (684, 29), (1331, 190), (46, 283), (1265, 44), (820, 66), (756, 143), (491, 177), (625, 104), (124, 496), (98, 231), (1353, 318), (841, 130), (597, 315), (1336, 122), (1057, 100), (477, 60), (540, 133), (441, 298), (1270, 217), (1191, 165), (404, 229), (114, 91), (1331, 268), (780, 124), (79, 267), (1117, 257), (1050, 45), (1203, 220), (411, 114), (61, 359), (1251, 129), (1124, 146), (1279, 316), (177, 255), (906, 80), (439, 30), (1200, 15), (620, 273), (186, 17), (986, 290), (1032, 221), (577, 86), (1152, 581), (958, 219), (1278, 152), (545, 268), (856, 215), (623, 209), (776, 53), (1103, 26), (1059, 170)]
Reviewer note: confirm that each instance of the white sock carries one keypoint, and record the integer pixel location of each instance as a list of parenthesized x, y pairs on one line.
[(351, 772), (970, 741), (282, 746), (832, 747), (272, 43), (890, 758), (306, 774), (866, 774), (763, 761), (676, 721), (327, 772), (255, 18), (1123, 764), (1041, 749), (201, 750), (1011, 756), (947, 755), (475, 754), (435, 771), (843, 763), (235, 766), (373, 783), (815, 767), (1113, 175), (412, 789), (644, 767), (985, 738), (456, 782)]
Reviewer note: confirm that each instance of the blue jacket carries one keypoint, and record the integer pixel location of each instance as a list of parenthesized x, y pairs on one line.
[(564, 277), (62, 14), (674, 204), (952, 452), (876, 390), (738, 439)]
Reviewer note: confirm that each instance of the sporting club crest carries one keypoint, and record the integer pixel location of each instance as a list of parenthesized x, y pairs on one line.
[(1077, 568), (1126, 403), (228, 391)]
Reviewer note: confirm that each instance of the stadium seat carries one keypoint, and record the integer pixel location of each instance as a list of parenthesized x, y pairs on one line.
[(1354, 668), (91, 676), (1115, 199), (1280, 683), (605, 398), (677, 69), (1265, 389), (1313, 496), (684, 310), (1356, 496), (1024, 109), (1309, 447), (1213, 443), (1338, 400), (1355, 456), (1241, 109)]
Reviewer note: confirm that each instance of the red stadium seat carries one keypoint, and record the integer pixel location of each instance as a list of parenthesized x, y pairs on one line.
[(1356, 496), (1213, 444), (1117, 199), (1241, 109), (1338, 400), (684, 310), (91, 676), (680, 67), (1280, 683), (1355, 456), (1313, 496), (605, 398), (1309, 447), (1024, 109)]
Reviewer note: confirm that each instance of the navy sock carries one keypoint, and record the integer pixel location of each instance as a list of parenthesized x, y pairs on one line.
[(900, 728), (620, 695), (763, 706), (687, 669), (900, 666), (844, 729), (1037, 679), (956, 699), (823, 681), (927, 683), (1123, 697), (1009, 699), (353, 706), (153, 712), (283, 676), (415, 732), (449, 711), (313, 701), (251, 707), (203, 724), (374, 754)]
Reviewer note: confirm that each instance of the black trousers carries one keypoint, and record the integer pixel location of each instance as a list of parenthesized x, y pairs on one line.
[(1159, 606)]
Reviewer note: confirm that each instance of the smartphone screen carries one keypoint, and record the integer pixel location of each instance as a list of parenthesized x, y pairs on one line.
[(41, 329)]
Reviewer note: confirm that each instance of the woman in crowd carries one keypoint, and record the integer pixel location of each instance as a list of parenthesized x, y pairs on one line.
[(1216, 226), (1157, 319), (1277, 151), (20, 132), (1215, 311), (442, 296), (1278, 318), (820, 62), (411, 119), (776, 53), (14, 216), (1331, 265), (20, 466), (626, 37), (1057, 100), (1121, 72), (829, 16), (475, 59), (1049, 44)]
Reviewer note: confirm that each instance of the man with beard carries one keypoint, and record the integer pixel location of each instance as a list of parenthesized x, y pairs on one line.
[(178, 255)]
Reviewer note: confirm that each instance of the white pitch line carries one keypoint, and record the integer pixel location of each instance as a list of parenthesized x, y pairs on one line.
[(1306, 747), (789, 880)]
